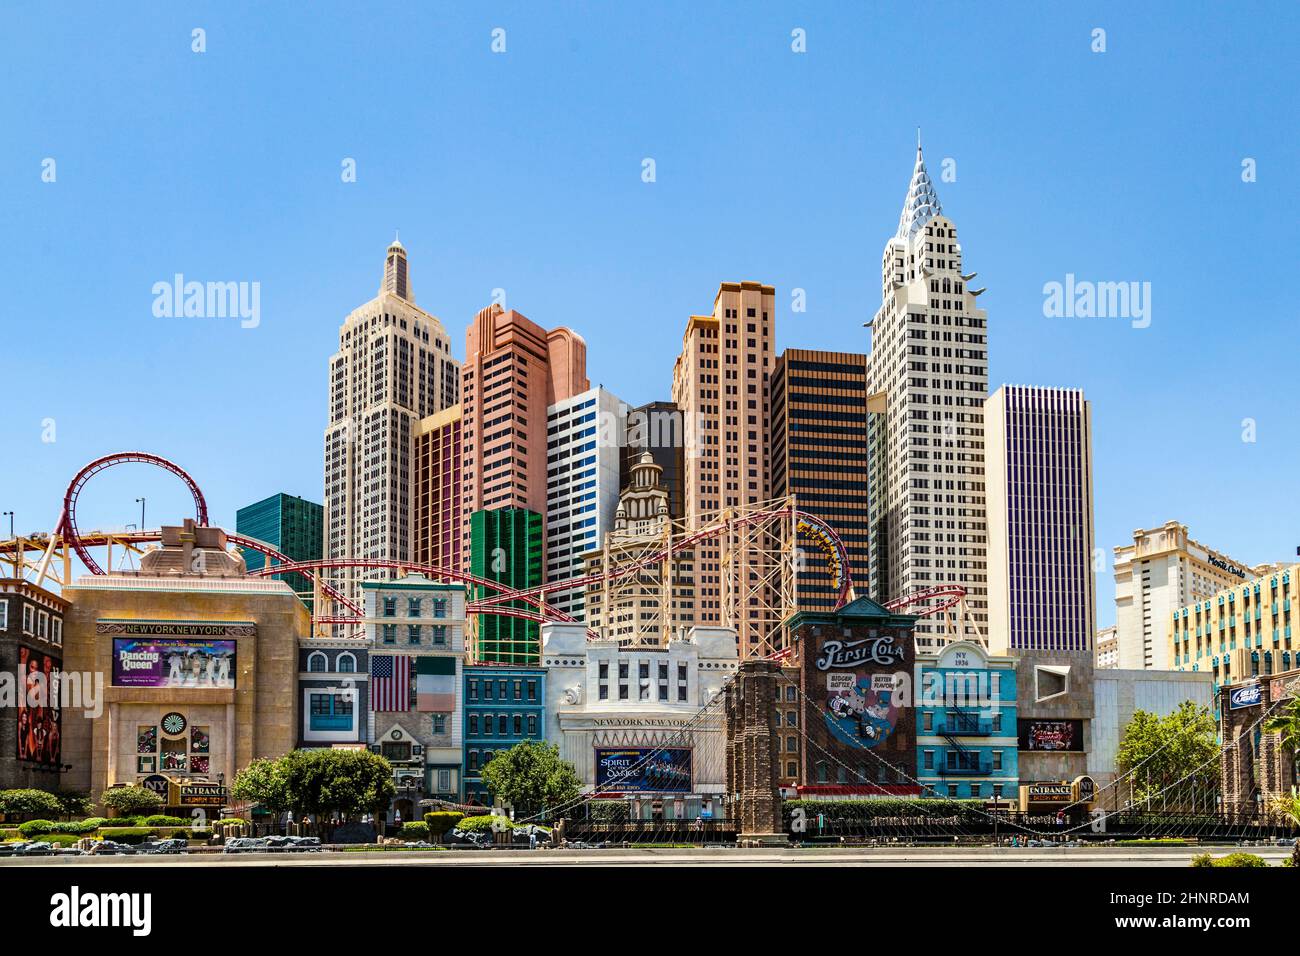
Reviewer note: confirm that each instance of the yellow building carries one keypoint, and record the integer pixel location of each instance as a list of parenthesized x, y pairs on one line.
[(200, 666), (1241, 632)]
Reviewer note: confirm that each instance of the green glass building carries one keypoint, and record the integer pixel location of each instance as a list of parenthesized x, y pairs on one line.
[(293, 526), (506, 546)]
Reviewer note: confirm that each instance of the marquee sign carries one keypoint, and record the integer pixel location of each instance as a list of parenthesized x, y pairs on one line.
[(202, 795), (883, 650)]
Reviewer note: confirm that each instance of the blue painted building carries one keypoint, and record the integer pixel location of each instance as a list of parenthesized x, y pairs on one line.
[(503, 704), (966, 724)]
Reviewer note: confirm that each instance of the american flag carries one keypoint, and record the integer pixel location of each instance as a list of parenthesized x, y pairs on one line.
[(390, 683)]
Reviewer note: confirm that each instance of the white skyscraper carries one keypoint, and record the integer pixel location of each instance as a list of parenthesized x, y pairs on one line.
[(393, 368), (582, 473), (928, 373)]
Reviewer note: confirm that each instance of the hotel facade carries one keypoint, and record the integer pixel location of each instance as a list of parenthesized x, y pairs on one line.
[(928, 375), (1163, 570)]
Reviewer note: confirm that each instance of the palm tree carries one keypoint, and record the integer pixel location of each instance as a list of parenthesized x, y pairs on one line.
[(1287, 723)]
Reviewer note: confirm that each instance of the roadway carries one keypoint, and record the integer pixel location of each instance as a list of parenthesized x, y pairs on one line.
[(700, 856)]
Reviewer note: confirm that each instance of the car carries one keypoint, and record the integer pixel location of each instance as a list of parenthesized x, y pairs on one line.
[(37, 848), (112, 848), (245, 845), (165, 846)]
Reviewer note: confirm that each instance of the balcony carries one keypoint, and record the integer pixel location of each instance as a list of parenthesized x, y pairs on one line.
[(963, 725), (968, 765)]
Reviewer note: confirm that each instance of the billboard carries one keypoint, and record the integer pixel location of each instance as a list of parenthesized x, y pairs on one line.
[(1051, 735), (863, 703), (40, 724), (173, 662), (1251, 695), (644, 769)]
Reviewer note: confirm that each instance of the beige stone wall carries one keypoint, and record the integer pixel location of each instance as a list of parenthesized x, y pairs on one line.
[(258, 718)]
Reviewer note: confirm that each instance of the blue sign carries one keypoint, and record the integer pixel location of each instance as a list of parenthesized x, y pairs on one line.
[(644, 769), (1248, 696)]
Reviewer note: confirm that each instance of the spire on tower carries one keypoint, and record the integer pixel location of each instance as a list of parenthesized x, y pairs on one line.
[(922, 202), (395, 271)]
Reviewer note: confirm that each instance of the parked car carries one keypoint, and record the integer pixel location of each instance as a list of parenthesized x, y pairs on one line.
[(165, 846), (112, 848)]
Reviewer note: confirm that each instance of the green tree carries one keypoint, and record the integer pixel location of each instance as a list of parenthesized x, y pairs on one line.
[(29, 803), (262, 782), (131, 801), (1162, 751), (73, 804), (441, 822), (319, 782), (532, 778), (1287, 723)]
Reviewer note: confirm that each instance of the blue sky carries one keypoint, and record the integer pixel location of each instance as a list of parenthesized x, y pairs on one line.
[(522, 171)]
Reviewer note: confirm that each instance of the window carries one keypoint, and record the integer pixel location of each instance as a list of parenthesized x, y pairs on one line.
[(439, 607), (29, 620), (473, 690), (928, 760), (532, 690), (346, 663), (927, 721), (473, 760), (487, 690), (473, 724), (390, 607), (997, 760), (316, 663), (4, 615), (439, 723), (532, 725), (487, 725), (444, 781), (439, 634), (390, 633), (503, 726), (396, 750), (519, 690), (413, 634), (519, 725), (413, 607)]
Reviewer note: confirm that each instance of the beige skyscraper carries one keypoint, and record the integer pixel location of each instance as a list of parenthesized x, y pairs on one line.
[(721, 383), (928, 373), (393, 368)]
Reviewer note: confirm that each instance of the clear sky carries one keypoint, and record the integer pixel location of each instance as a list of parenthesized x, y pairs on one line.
[(522, 170)]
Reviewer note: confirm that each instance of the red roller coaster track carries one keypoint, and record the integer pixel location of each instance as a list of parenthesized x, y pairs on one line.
[(498, 603)]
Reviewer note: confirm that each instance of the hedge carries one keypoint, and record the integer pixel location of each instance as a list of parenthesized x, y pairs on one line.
[(130, 799), (414, 831), (162, 820), (888, 807), (74, 827), (442, 821), (30, 802), (1232, 859)]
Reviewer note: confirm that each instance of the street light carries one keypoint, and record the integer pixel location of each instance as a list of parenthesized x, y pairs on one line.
[(10, 516), (140, 502)]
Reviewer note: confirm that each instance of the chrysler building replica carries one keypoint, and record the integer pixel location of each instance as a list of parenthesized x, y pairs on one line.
[(393, 368), (928, 377)]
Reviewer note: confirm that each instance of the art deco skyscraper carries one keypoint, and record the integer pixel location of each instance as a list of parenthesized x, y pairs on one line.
[(393, 368), (928, 373)]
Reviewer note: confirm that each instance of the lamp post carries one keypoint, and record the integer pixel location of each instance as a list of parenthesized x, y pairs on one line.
[(10, 516), (140, 502)]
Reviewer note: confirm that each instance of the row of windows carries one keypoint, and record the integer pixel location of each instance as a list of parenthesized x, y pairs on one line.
[(488, 688), (503, 725)]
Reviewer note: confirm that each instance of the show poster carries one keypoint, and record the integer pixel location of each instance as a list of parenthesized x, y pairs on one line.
[(173, 662), (644, 769), (40, 721), (1051, 735)]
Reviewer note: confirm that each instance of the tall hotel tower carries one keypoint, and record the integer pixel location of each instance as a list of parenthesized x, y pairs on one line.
[(1042, 592), (928, 375), (722, 384), (515, 372), (393, 368)]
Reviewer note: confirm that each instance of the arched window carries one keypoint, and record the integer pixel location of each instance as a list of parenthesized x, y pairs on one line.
[(316, 663), (346, 663)]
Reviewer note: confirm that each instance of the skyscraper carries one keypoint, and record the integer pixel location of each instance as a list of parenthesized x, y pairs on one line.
[(928, 375), (393, 368), (721, 383), (583, 433), (1042, 593), (514, 371), (293, 525), (657, 428), (819, 454), (438, 482)]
